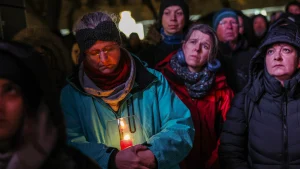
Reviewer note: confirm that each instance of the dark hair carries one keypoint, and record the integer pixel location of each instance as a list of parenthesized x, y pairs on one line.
[(290, 4)]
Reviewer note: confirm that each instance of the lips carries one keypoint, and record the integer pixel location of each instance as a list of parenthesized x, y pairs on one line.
[(172, 26)]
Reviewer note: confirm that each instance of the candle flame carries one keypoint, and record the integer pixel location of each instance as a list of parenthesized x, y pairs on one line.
[(126, 137), (122, 123)]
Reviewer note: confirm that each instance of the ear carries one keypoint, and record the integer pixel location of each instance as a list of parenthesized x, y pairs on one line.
[(298, 66), (183, 44)]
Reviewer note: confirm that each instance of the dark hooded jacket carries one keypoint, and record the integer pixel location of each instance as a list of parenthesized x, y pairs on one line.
[(235, 63), (40, 142), (263, 123)]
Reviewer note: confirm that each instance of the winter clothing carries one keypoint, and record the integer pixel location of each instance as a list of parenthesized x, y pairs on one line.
[(224, 13), (197, 84), (39, 143), (53, 52), (112, 80), (208, 113), (105, 31), (261, 130), (171, 40), (166, 3), (158, 49), (235, 63), (259, 39), (161, 45), (166, 124), (112, 96)]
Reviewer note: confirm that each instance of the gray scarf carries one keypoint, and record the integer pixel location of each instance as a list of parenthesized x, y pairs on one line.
[(197, 84)]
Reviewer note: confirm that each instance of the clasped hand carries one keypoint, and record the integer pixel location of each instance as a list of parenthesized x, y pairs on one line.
[(135, 157)]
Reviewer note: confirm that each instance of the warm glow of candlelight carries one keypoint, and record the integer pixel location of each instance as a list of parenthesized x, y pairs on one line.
[(126, 137), (122, 123)]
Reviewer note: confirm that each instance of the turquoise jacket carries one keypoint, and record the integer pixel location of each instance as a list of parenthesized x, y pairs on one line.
[(166, 124)]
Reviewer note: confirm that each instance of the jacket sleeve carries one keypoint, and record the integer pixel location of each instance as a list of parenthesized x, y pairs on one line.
[(233, 140), (225, 96), (175, 139), (75, 134)]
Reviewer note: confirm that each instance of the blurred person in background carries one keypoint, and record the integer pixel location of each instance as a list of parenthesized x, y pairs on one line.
[(135, 43), (235, 52), (166, 35), (260, 25), (293, 8), (32, 134)]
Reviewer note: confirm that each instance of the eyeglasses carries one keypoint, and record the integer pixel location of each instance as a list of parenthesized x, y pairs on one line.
[(233, 23), (107, 50)]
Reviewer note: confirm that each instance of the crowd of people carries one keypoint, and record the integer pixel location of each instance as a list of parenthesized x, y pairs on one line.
[(191, 96)]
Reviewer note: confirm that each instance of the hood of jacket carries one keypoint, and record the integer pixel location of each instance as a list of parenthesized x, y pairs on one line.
[(282, 31)]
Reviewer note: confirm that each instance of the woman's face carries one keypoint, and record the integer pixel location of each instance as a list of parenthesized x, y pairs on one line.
[(104, 56), (173, 20), (282, 61), (196, 50), (11, 109)]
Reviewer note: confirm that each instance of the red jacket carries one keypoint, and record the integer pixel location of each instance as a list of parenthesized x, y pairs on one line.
[(208, 113)]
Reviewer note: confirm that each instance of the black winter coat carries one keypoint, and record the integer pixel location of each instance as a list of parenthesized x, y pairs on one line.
[(236, 63), (262, 127), (154, 54)]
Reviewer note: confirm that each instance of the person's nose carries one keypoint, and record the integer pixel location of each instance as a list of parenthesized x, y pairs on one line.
[(198, 48), (103, 57), (277, 56), (173, 17)]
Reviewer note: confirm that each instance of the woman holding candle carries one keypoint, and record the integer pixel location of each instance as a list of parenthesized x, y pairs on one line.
[(111, 84), (193, 73)]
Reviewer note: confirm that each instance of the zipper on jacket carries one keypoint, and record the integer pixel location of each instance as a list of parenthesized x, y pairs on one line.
[(285, 131)]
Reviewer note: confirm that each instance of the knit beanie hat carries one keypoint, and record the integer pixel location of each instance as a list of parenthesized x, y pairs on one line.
[(184, 6), (223, 13), (104, 31)]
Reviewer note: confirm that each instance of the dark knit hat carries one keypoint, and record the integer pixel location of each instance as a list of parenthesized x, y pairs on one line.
[(184, 6), (14, 68), (223, 13)]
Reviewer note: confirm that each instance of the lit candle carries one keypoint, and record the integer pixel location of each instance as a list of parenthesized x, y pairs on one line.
[(122, 125), (126, 142)]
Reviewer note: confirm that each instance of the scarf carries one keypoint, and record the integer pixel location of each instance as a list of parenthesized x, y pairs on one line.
[(113, 96), (198, 84), (171, 40), (112, 80)]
